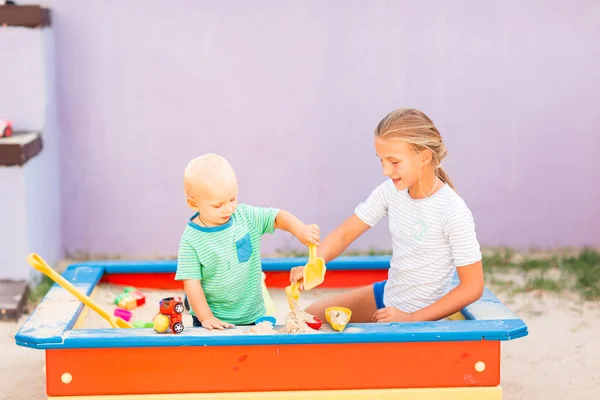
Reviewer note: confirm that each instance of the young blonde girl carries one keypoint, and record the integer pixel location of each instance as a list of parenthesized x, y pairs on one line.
[(432, 230)]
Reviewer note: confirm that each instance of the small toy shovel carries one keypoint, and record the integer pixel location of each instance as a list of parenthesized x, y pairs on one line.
[(292, 293), (314, 270), (38, 263)]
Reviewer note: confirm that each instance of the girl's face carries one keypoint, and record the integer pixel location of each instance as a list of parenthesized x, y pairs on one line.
[(400, 162)]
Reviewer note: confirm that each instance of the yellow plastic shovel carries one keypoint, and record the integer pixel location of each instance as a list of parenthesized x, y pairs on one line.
[(292, 293), (38, 263), (314, 270)]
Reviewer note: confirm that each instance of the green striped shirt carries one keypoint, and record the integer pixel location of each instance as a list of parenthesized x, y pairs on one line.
[(226, 259)]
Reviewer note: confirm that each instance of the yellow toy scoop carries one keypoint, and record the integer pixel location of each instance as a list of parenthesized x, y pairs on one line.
[(314, 270), (39, 264), (292, 293), (338, 317)]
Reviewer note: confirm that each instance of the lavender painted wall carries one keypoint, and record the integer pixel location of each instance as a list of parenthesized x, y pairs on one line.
[(290, 92)]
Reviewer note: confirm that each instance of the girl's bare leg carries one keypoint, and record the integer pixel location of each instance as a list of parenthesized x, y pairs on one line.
[(360, 301)]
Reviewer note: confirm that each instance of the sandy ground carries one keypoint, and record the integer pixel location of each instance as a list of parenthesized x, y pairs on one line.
[(560, 359)]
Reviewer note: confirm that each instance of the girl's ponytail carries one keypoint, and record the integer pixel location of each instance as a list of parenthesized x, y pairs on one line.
[(444, 176)]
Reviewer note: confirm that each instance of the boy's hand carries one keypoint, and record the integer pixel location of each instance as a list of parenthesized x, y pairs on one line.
[(215, 323), (309, 234)]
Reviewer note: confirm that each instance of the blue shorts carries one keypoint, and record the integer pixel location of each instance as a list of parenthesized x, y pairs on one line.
[(378, 293)]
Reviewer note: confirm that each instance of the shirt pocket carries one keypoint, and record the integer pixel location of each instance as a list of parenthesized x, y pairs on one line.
[(244, 248)]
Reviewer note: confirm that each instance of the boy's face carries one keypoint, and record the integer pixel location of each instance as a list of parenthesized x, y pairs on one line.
[(215, 203)]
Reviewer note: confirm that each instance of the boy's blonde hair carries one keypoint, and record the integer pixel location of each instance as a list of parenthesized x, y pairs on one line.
[(207, 169), (416, 129)]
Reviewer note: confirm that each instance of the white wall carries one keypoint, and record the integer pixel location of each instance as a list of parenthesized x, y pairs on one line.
[(30, 211)]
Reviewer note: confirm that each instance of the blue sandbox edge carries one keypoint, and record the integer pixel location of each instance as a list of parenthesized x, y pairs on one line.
[(50, 325)]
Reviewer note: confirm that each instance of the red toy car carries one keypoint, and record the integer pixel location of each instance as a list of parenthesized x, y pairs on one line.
[(171, 308)]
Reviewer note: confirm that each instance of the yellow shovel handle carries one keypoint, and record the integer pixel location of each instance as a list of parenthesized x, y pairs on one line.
[(39, 264), (312, 253)]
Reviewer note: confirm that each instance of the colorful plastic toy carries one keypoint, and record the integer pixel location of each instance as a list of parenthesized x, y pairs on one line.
[(37, 262), (269, 303), (5, 128), (314, 270), (292, 293), (169, 315), (268, 318), (315, 324), (338, 317), (121, 313), (142, 324), (130, 299)]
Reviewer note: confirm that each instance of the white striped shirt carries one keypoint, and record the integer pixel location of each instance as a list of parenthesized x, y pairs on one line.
[(430, 238)]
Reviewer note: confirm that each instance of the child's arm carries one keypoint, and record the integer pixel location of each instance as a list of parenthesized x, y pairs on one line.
[(306, 234), (468, 290), (197, 299), (189, 270), (335, 243), (366, 215)]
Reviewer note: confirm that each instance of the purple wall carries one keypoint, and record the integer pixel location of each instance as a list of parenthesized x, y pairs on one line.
[(290, 92)]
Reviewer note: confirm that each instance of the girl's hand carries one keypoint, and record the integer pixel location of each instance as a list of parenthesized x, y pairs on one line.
[(309, 234), (211, 323), (391, 314), (297, 274)]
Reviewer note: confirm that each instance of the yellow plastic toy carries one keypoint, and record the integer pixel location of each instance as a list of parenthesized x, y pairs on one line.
[(314, 275), (161, 323), (314, 270), (39, 264), (338, 317), (292, 293), (269, 303)]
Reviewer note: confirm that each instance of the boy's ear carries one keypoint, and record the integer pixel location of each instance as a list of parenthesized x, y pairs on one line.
[(191, 203)]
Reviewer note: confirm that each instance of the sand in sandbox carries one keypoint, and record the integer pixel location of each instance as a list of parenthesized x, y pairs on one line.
[(105, 295)]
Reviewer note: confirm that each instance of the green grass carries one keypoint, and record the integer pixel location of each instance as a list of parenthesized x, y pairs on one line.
[(579, 272), (546, 271), (540, 283), (555, 272), (498, 260), (371, 252), (585, 270), (39, 291)]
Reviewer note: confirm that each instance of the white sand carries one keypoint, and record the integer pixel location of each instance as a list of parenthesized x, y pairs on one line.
[(105, 295), (560, 359)]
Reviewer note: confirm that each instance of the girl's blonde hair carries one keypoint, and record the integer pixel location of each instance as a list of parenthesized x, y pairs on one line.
[(416, 129)]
